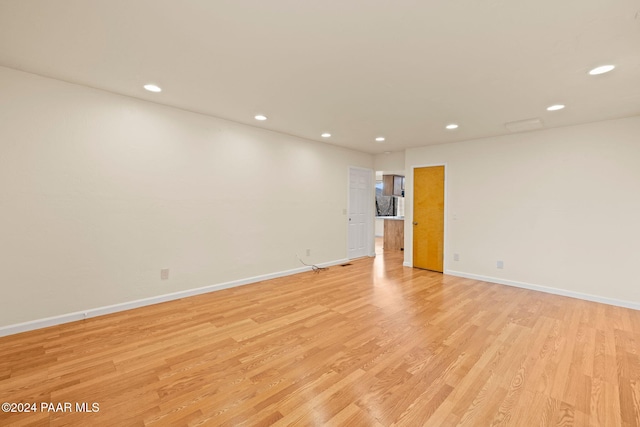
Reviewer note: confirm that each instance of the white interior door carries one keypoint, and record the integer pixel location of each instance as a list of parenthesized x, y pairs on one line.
[(360, 212)]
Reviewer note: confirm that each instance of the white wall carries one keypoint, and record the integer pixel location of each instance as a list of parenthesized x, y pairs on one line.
[(379, 228), (390, 164), (98, 192), (560, 207)]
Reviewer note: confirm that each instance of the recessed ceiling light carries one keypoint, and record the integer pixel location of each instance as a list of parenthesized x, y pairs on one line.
[(452, 126), (260, 117), (153, 88), (555, 107), (602, 69), (380, 139), (326, 135)]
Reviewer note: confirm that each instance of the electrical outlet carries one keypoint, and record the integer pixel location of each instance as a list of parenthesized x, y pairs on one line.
[(500, 264), (456, 257), (308, 252), (344, 211), (164, 274)]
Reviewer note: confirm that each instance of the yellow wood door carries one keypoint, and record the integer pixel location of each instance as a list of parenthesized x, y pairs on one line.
[(428, 217)]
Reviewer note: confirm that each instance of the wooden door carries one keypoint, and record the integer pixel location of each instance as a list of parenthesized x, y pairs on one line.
[(428, 217)]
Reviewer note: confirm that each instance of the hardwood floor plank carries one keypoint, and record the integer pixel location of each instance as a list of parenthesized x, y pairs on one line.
[(371, 344)]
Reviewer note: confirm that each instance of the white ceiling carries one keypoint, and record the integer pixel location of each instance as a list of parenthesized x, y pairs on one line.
[(358, 69)]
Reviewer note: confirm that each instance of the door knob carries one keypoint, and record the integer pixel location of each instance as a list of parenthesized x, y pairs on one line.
[(415, 223)]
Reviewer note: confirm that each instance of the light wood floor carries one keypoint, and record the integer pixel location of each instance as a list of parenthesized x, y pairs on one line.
[(369, 344)]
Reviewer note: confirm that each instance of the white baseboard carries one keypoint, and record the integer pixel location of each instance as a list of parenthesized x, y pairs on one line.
[(547, 289), (100, 311), (407, 264)]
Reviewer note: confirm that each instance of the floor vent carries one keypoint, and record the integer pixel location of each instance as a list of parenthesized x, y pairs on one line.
[(344, 265)]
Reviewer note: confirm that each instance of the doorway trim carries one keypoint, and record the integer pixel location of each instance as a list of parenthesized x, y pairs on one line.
[(408, 219), (369, 214)]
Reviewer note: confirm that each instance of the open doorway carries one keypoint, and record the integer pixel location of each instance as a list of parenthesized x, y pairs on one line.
[(389, 222)]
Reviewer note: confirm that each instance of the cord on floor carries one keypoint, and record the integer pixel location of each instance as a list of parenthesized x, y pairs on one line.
[(314, 267)]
